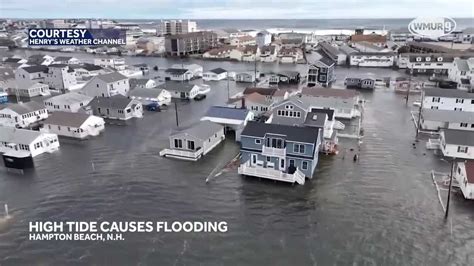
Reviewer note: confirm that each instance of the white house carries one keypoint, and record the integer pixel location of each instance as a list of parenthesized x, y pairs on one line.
[(257, 103), (290, 55), (68, 102), (372, 59), (250, 53), (148, 96), (247, 77), (444, 99), (242, 41), (181, 90), (74, 125), (215, 74), (462, 72), (457, 143), (27, 76), (39, 59), (60, 77), (116, 63), (107, 85), (194, 142), (29, 141), (221, 52), (464, 175), (142, 84), (68, 60), (268, 53), (22, 115), (196, 70), (428, 63), (178, 74), (34, 90), (263, 38), (234, 119), (433, 119), (86, 71), (115, 107)]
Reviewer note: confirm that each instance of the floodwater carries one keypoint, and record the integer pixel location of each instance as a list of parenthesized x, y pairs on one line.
[(381, 210)]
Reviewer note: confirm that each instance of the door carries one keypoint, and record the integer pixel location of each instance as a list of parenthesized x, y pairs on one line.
[(191, 145), (282, 164), (253, 160), (183, 95)]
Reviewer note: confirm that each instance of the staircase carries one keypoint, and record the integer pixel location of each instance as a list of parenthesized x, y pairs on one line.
[(338, 125)]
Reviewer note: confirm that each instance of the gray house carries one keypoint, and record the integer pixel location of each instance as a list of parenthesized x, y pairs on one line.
[(115, 107), (279, 152), (180, 90), (194, 142)]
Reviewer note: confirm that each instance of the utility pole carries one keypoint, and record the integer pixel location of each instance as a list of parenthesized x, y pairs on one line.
[(449, 189), (409, 85), (228, 90), (255, 70), (176, 112), (418, 125)]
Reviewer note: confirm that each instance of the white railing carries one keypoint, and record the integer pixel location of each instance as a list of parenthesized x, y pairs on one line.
[(275, 152), (269, 173), (339, 125), (182, 154)]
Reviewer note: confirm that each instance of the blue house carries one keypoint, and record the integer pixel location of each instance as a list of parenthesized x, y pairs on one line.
[(279, 152)]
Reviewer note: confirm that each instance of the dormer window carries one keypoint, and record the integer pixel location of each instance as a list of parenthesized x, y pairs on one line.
[(440, 59), (427, 59), (418, 59)]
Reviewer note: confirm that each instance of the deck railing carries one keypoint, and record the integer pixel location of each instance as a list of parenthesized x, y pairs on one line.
[(269, 173), (274, 152), (183, 154)]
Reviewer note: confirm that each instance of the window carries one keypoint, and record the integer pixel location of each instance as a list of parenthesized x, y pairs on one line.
[(269, 158), (457, 109), (463, 125), (258, 141), (418, 59), (178, 143), (298, 148), (462, 149), (459, 100), (304, 165), (427, 59), (440, 59), (434, 107), (289, 107)]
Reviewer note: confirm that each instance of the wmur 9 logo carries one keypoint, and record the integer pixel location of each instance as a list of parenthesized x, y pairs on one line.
[(432, 27)]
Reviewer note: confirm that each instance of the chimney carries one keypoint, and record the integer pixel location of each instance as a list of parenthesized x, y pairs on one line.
[(243, 102)]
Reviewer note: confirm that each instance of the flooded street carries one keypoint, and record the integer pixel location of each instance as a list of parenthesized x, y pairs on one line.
[(381, 210)]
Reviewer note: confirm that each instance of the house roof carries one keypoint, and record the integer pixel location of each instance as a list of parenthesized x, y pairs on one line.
[(461, 64), (35, 69), (268, 49), (23, 108), (469, 165), (449, 93), (69, 98), (136, 82), (459, 137), (111, 77), (325, 92), (262, 91), (347, 49), (227, 112), (88, 67), (299, 134), (62, 58), (202, 130), (448, 116), (256, 97), (328, 48), (177, 86), (67, 119), (176, 71), (12, 60), (116, 102), (373, 38), (218, 70), (19, 136), (147, 93), (315, 119)]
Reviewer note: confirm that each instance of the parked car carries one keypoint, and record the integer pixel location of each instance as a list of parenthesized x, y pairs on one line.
[(200, 97)]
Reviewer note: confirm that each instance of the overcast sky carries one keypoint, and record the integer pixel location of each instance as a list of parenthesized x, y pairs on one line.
[(234, 9)]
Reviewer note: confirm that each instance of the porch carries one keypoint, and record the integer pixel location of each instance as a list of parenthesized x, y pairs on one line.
[(269, 173), (182, 154)]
